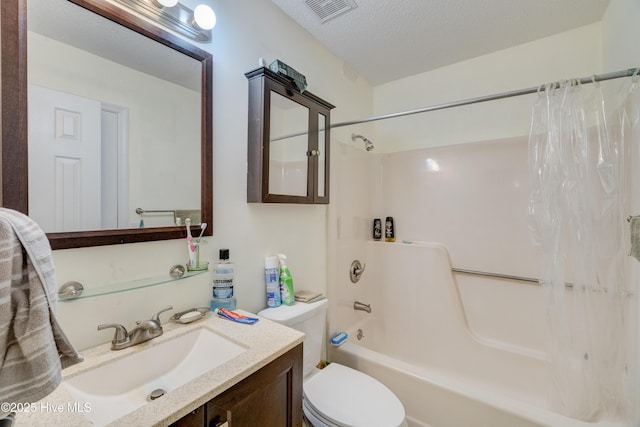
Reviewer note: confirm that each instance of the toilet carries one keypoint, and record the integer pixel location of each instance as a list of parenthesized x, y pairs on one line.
[(336, 396)]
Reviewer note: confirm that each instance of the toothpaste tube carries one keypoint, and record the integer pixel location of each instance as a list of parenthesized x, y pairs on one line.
[(232, 315)]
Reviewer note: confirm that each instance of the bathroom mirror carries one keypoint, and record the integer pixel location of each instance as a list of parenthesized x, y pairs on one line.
[(166, 81)]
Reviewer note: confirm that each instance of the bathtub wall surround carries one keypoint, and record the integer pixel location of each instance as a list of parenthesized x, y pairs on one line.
[(475, 205), (438, 359), (436, 343)]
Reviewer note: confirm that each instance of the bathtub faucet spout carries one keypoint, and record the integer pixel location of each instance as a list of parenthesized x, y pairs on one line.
[(357, 305)]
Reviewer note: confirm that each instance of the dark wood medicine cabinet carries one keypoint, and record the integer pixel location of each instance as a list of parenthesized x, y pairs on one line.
[(288, 142)]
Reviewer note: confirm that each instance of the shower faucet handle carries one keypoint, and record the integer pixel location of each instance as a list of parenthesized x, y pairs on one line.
[(356, 271)]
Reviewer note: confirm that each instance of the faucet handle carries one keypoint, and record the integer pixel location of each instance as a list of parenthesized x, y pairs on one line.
[(156, 316), (121, 332), (356, 271)]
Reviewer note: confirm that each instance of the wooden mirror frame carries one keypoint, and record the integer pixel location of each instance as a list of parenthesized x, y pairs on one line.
[(14, 134)]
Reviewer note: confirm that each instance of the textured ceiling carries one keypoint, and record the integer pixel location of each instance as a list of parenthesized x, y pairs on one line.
[(384, 40)]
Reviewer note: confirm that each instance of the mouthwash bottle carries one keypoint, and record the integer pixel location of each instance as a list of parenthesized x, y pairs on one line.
[(223, 282)]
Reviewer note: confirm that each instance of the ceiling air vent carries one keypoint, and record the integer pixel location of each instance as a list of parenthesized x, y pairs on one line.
[(329, 9)]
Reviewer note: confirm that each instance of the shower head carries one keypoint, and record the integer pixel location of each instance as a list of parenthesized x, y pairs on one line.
[(368, 145)]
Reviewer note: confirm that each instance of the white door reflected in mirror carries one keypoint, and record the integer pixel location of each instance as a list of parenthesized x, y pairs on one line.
[(65, 149)]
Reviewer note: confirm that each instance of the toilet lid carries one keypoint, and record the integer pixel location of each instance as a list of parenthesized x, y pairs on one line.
[(350, 398)]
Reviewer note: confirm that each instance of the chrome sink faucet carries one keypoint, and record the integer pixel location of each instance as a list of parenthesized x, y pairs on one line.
[(144, 331)]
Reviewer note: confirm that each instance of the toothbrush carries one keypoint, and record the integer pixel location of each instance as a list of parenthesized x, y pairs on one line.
[(203, 227), (191, 245)]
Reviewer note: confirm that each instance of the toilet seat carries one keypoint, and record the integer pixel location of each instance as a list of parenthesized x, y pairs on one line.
[(341, 396), (314, 417)]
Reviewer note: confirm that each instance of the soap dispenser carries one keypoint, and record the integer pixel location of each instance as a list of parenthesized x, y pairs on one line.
[(286, 282)]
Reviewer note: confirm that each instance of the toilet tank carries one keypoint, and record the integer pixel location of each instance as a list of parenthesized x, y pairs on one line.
[(307, 318)]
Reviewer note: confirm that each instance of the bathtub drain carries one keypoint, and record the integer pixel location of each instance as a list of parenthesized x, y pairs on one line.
[(359, 335)]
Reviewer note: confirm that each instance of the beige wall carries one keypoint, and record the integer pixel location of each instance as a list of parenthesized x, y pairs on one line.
[(620, 34), (246, 30), (575, 53)]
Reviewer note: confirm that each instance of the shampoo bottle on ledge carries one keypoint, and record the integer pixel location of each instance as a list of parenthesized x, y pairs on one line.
[(389, 230)]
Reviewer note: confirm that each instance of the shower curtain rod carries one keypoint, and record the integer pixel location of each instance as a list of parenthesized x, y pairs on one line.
[(584, 80)]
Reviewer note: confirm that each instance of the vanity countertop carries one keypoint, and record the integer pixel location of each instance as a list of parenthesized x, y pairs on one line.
[(265, 341)]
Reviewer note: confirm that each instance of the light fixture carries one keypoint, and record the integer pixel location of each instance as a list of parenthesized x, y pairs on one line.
[(165, 3), (195, 24), (204, 17)]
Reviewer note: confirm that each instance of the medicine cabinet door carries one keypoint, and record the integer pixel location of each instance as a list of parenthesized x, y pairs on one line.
[(289, 160)]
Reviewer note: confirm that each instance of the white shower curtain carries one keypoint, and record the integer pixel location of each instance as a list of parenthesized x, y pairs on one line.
[(580, 147)]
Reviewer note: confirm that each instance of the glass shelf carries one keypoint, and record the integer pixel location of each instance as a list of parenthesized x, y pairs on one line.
[(114, 288)]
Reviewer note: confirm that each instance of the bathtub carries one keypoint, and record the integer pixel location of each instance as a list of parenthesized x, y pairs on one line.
[(418, 341)]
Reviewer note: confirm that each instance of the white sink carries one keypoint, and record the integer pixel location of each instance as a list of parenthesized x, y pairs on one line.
[(119, 387)]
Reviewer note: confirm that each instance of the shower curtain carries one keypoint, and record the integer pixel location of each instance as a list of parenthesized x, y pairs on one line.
[(580, 147)]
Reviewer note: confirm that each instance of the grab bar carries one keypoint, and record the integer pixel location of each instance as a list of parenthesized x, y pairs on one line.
[(568, 285), (502, 276)]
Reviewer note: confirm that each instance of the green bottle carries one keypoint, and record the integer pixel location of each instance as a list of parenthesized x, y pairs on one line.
[(286, 282)]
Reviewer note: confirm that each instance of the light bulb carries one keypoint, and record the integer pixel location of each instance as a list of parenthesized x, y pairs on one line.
[(166, 3), (204, 17)]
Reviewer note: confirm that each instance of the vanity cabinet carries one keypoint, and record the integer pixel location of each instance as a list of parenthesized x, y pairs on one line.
[(288, 142), (270, 397)]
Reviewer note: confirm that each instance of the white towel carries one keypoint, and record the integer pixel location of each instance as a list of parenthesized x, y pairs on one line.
[(33, 347)]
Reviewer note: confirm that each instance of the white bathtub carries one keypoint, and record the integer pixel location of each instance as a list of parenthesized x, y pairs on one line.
[(418, 342)]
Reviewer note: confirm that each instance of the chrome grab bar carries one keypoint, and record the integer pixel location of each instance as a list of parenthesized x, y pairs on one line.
[(502, 276)]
